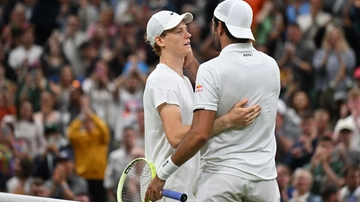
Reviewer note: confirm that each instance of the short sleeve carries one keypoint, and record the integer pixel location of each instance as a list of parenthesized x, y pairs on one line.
[(164, 90), (207, 88)]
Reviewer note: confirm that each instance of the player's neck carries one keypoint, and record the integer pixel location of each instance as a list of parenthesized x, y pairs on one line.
[(173, 62)]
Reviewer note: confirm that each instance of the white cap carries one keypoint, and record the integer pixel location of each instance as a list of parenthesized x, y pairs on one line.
[(164, 20), (345, 125), (237, 16)]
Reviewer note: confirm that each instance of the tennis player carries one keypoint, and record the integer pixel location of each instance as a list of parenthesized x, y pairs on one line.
[(238, 164), (169, 99)]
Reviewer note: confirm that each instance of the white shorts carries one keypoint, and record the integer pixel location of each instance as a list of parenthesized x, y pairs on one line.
[(228, 188)]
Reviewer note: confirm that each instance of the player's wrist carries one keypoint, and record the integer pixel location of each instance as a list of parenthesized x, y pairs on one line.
[(167, 169)]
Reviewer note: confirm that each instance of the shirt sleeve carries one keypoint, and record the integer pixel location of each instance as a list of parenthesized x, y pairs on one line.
[(207, 88), (164, 90)]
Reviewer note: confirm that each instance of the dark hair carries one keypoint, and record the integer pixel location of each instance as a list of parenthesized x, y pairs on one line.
[(327, 190), (307, 115), (326, 139), (228, 34), (26, 166), (349, 168)]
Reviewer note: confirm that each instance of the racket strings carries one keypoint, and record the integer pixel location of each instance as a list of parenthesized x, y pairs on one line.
[(137, 180)]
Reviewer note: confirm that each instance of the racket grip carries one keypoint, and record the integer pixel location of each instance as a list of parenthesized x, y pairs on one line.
[(174, 195)]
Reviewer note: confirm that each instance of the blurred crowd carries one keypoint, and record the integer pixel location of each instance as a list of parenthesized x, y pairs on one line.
[(72, 74)]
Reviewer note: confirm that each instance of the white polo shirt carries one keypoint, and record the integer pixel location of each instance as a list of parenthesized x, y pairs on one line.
[(240, 72), (164, 85)]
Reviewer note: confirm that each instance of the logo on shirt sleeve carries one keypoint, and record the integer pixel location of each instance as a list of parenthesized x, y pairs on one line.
[(198, 88)]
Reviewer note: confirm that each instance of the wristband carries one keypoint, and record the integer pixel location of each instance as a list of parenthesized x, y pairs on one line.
[(166, 169)]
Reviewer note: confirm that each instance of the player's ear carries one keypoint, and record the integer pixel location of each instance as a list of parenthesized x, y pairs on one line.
[(159, 41), (220, 28)]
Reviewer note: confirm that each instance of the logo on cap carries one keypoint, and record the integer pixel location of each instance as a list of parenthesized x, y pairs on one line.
[(171, 13)]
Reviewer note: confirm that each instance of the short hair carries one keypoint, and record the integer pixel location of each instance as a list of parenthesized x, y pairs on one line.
[(157, 48), (307, 115), (348, 168), (326, 139), (327, 190), (227, 32)]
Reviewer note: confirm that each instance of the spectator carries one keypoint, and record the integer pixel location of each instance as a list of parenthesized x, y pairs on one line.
[(284, 181), (310, 23), (7, 105), (47, 114), (334, 63), (71, 40), (53, 59), (100, 90), (71, 111), (330, 193), (128, 96), (26, 128), (323, 166), (353, 103), (89, 137), (37, 188), (12, 31), (298, 57), (322, 123), (302, 187), (118, 161), (302, 150), (284, 139), (65, 184), (61, 89), (296, 8), (351, 190), (26, 55), (10, 148), (89, 57), (32, 86), (89, 12), (44, 164), (299, 104), (347, 155), (21, 182)]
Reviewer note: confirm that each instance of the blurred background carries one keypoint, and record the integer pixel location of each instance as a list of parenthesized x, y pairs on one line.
[(72, 74)]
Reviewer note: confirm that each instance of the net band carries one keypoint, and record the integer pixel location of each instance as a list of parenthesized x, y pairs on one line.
[(6, 197)]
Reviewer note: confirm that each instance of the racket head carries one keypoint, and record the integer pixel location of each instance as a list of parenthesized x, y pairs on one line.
[(134, 180)]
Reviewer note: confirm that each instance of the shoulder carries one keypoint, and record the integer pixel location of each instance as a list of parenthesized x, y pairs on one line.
[(160, 79)]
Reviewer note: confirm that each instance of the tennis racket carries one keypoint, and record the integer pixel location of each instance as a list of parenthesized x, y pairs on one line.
[(135, 180)]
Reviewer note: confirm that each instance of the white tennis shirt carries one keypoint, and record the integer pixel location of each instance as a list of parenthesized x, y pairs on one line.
[(164, 85), (240, 72)]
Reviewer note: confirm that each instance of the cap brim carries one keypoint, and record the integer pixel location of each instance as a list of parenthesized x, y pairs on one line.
[(240, 32), (186, 18)]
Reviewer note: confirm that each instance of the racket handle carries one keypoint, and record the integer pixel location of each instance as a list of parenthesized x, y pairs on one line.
[(174, 195)]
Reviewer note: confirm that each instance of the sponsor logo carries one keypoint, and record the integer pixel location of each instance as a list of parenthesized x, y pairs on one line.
[(247, 54), (198, 88), (166, 162), (171, 13)]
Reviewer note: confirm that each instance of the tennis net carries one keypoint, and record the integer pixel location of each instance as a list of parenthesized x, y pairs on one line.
[(6, 197)]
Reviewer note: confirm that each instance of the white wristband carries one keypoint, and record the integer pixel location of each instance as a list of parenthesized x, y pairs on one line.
[(166, 169)]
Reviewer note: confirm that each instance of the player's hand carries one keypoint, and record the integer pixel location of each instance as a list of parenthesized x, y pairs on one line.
[(153, 193), (239, 116)]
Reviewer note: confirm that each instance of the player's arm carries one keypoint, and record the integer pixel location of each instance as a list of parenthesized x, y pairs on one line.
[(238, 116), (175, 131), (194, 140), (171, 119)]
